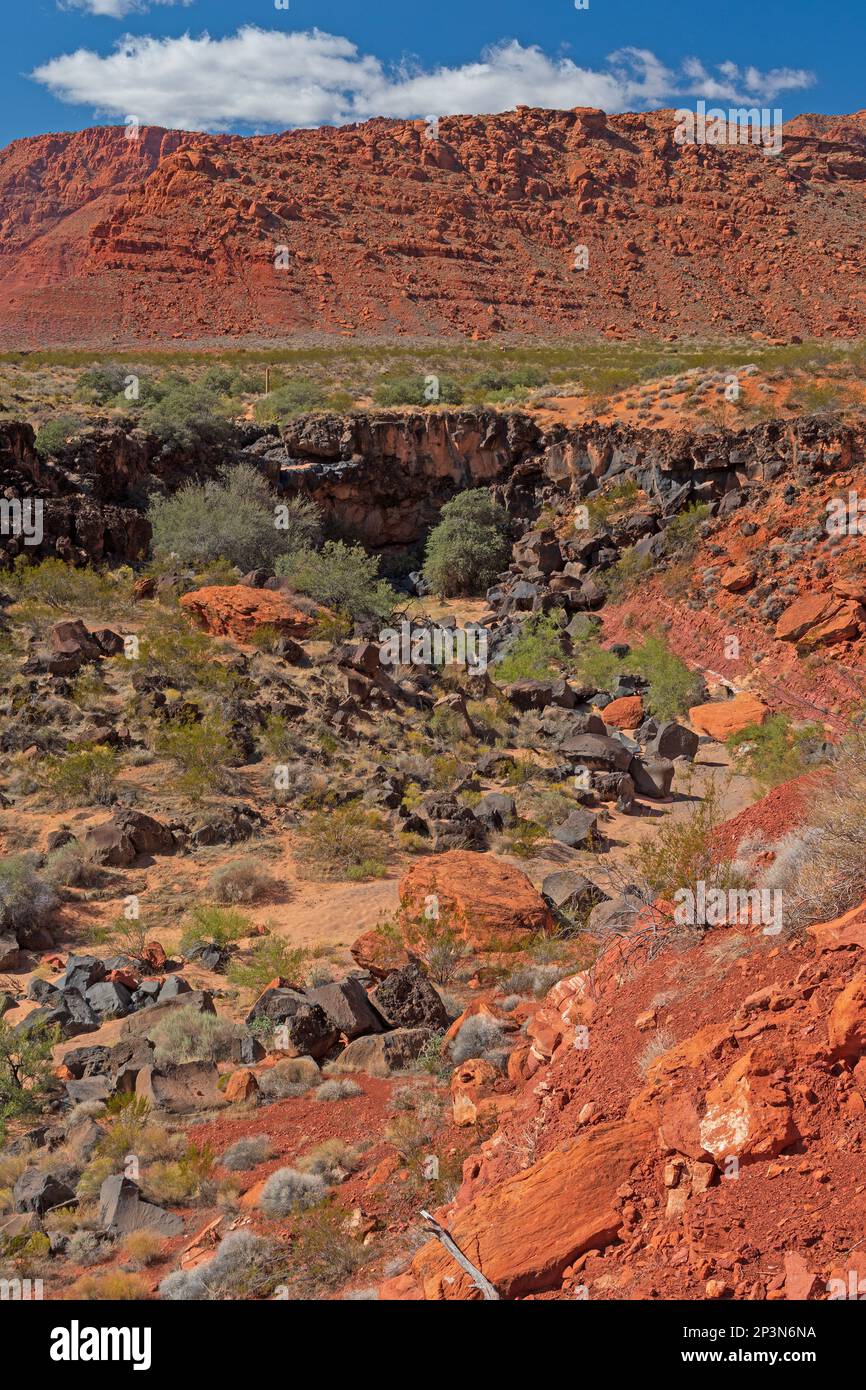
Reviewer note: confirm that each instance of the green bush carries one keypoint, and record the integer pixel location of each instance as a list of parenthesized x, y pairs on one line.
[(187, 416), (201, 750), (469, 547), (82, 777), (625, 576), (673, 687), (681, 536), (54, 435), (536, 655), (420, 390), (348, 843), (26, 1072), (289, 399), (234, 518), (61, 587), (342, 577), (272, 957), (776, 751), (218, 925)]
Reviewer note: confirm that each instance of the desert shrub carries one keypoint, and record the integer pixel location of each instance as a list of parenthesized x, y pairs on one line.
[(241, 881), (832, 877), (617, 498), (201, 750), (72, 866), (69, 590), (479, 1036), (291, 398), (245, 1154), (682, 853), (232, 518), (682, 533), (338, 1090), (332, 1160), (470, 545), (660, 1043), (625, 576), (343, 577), (26, 1072), (289, 1190), (244, 1266), (421, 390), (82, 777), (270, 957), (536, 980), (435, 939), (535, 655), (87, 1248), (279, 738), (218, 926), (777, 751), (186, 416), (289, 1079), (187, 1036), (142, 1248), (55, 434), (498, 384), (27, 900), (324, 1253), (181, 656), (114, 1287), (673, 687), (346, 843), (99, 385)]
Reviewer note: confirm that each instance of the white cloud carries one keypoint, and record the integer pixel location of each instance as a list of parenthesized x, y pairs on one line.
[(265, 79), (115, 9)]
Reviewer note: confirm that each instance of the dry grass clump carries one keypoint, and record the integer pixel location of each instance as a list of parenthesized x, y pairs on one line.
[(831, 878)]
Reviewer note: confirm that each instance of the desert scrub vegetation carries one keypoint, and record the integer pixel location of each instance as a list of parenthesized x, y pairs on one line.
[(182, 1181), (236, 518), (116, 1286), (26, 1072), (831, 877), (185, 415), (188, 1036), (244, 1266), (333, 1160), (660, 1043), (536, 654), (61, 588), (241, 881), (289, 1190), (141, 1249), (245, 1154), (289, 1079), (617, 498), (422, 389), (212, 925), (81, 777), (27, 898), (777, 750), (625, 576), (181, 656), (435, 940), (324, 1253), (338, 1090), (201, 750), (682, 853), (479, 1036), (342, 577), (270, 958), (348, 842), (470, 545)]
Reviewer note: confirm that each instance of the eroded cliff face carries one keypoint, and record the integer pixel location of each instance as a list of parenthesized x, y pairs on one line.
[(382, 478), (387, 231)]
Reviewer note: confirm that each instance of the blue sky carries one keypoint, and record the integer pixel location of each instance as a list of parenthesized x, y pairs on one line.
[(247, 65)]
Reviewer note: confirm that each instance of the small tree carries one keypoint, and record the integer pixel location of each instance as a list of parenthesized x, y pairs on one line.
[(470, 546), (26, 1071), (343, 577)]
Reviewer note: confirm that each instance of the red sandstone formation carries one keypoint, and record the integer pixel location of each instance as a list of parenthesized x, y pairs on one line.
[(174, 235)]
